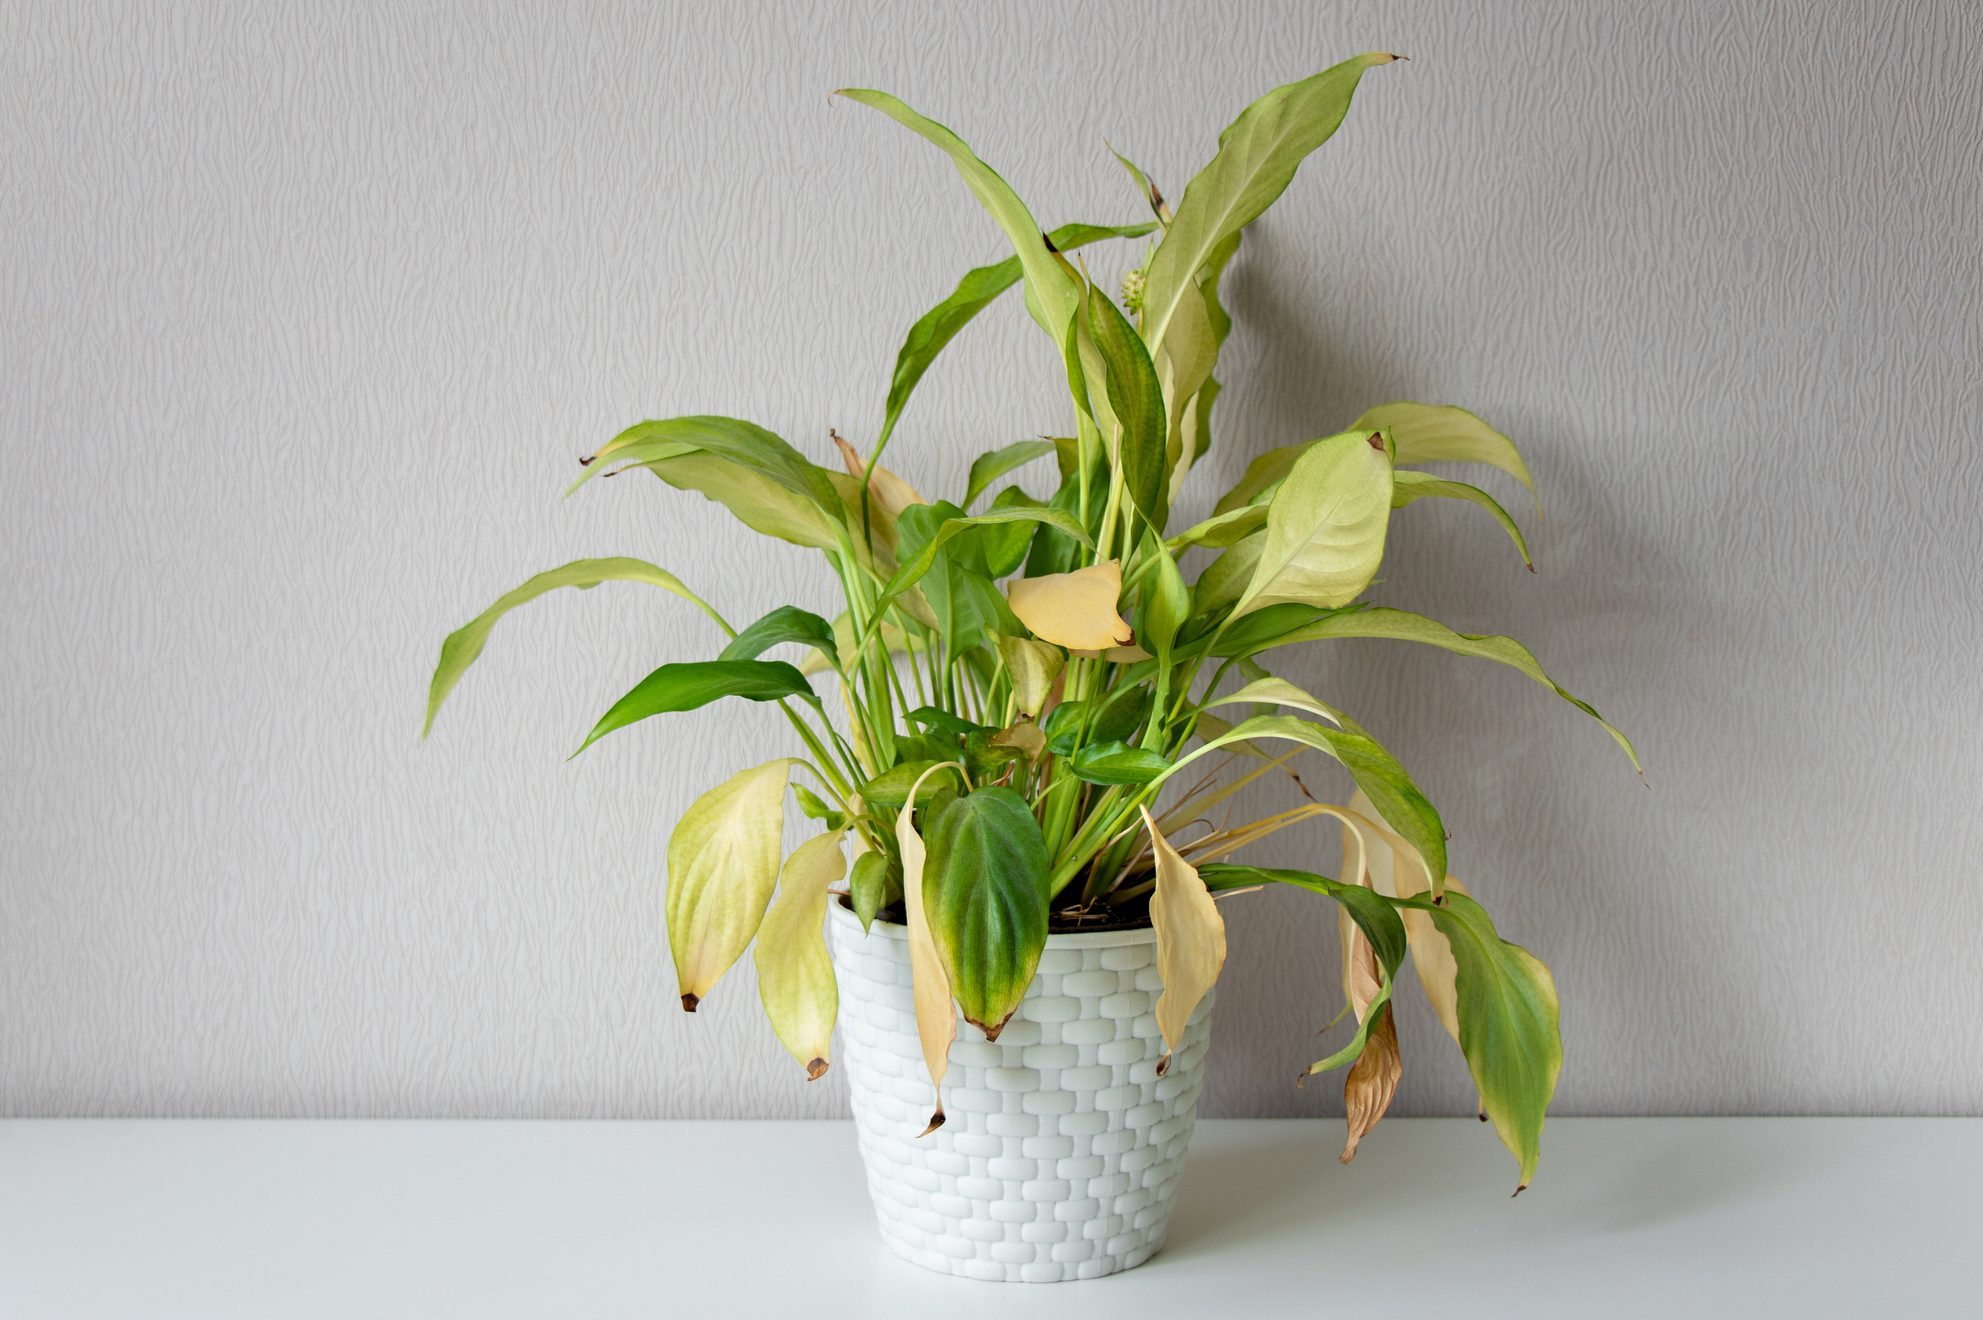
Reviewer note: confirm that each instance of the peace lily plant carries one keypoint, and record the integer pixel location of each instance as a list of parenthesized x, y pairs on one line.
[(1035, 708)]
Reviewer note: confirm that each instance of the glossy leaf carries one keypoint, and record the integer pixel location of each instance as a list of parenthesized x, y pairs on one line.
[(988, 467), (794, 970), (1325, 527), (1137, 402), (1191, 940), (722, 867), (1432, 433), (1409, 487), (1076, 610), (1118, 763), (680, 687), (1257, 158), (464, 645), (1115, 717), (1404, 626), (985, 891), (787, 623), (936, 1016)]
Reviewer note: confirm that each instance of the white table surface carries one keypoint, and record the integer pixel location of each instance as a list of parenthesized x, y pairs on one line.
[(1629, 1217)]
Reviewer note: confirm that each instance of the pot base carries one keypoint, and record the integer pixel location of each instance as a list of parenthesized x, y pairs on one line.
[(1062, 1149)]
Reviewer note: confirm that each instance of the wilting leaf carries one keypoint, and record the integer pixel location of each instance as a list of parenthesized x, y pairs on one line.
[(1034, 668), (936, 1017), (1279, 692), (1158, 206), (989, 467), (1404, 626), (1431, 433), (465, 643), (1410, 486), (1191, 939), (787, 623), (1076, 610), (889, 493), (976, 291), (1257, 158), (722, 867), (868, 886), (1051, 293), (1118, 763), (759, 502), (682, 687), (1373, 1078), (794, 970), (737, 442), (1137, 401), (985, 893), (1325, 527), (1431, 955)]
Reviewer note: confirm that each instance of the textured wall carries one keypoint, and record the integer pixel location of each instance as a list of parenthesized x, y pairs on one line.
[(305, 310)]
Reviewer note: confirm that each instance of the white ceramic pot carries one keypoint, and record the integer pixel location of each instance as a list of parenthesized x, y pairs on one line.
[(1062, 1149)]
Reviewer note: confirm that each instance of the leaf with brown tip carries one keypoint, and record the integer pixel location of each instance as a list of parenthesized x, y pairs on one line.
[(936, 1016), (794, 970), (1191, 939)]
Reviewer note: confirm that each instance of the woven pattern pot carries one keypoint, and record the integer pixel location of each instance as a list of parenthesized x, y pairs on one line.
[(1062, 1151)]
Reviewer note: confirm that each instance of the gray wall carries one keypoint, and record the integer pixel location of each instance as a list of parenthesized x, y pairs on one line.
[(307, 309)]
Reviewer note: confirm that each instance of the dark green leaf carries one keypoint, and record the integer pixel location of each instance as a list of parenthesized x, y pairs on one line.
[(1119, 717), (1118, 763), (891, 788), (935, 717), (687, 686), (989, 467), (1137, 400), (875, 875), (787, 623), (985, 893)]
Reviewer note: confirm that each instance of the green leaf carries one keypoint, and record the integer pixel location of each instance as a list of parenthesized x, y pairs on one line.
[(1222, 529), (920, 561), (1390, 789), (985, 891), (1508, 1025), (1404, 626), (870, 883), (1119, 716), (976, 291), (465, 643), (1262, 475), (1431, 433), (1033, 667), (1225, 579), (935, 717), (722, 867), (787, 623), (1374, 916), (1326, 526), (688, 686), (990, 466), (1195, 434), (1257, 158), (999, 549), (1158, 207), (1051, 292), (1118, 763), (794, 971), (891, 788), (1137, 401), (1164, 603), (743, 444), (1409, 486)]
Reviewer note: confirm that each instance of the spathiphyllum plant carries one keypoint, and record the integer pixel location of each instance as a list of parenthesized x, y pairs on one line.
[(1032, 717)]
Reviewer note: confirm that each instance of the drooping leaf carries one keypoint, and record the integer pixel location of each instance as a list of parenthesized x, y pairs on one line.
[(1034, 668), (1373, 1077), (1325, 527), (976, 291), (1023, 736), (1431, 955), (1191, 940), (1137, 402), (465, 643), (1257, 158), (1273, 691), (1431, 433), (680, 687), (1222, 529), (740, 443), (1262, 475), (936, 1016), (888, 489), (1409, 487), (1076, 610), (869, 885), (1118, 763), (1051, 293), (787, 623), (985, 890), (759, 502), (988, 467), (794, 970), (722, 867), (1404, 626)]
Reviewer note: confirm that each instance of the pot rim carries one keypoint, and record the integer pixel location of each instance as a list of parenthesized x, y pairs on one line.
[(843, 914)]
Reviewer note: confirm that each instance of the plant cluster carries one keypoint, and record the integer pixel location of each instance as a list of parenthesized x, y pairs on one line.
[(1038, 707)]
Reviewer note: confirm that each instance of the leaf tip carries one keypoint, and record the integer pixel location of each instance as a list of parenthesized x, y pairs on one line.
[(1519, 1189), (587, 460), (1164, 1064), (689, 1002), (936, 1121), (816, 1070)]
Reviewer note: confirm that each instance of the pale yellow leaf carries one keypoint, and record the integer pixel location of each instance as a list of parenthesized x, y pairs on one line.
[(888, 490), (794, 970), (1191, 939), (936, 1015), (722, 867), (1076, 610), (1431, 954), (1034, 668)]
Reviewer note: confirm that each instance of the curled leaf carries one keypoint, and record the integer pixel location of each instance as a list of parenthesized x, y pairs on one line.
[(936, 1016), (1076, 610), (794, 970), (888, 490), (722, 867), (1191, 939)]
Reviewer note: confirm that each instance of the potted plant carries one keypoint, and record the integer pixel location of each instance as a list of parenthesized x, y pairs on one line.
[(1019, 724)]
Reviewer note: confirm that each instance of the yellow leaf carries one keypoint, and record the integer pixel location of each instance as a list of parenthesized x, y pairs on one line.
[(936, 1015), (1034, 667), (1373, 1079), (794, 970), (889, 491), (1431, 954), (1191, 939), (1023, 734), (722, 867), (1076, 610)]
